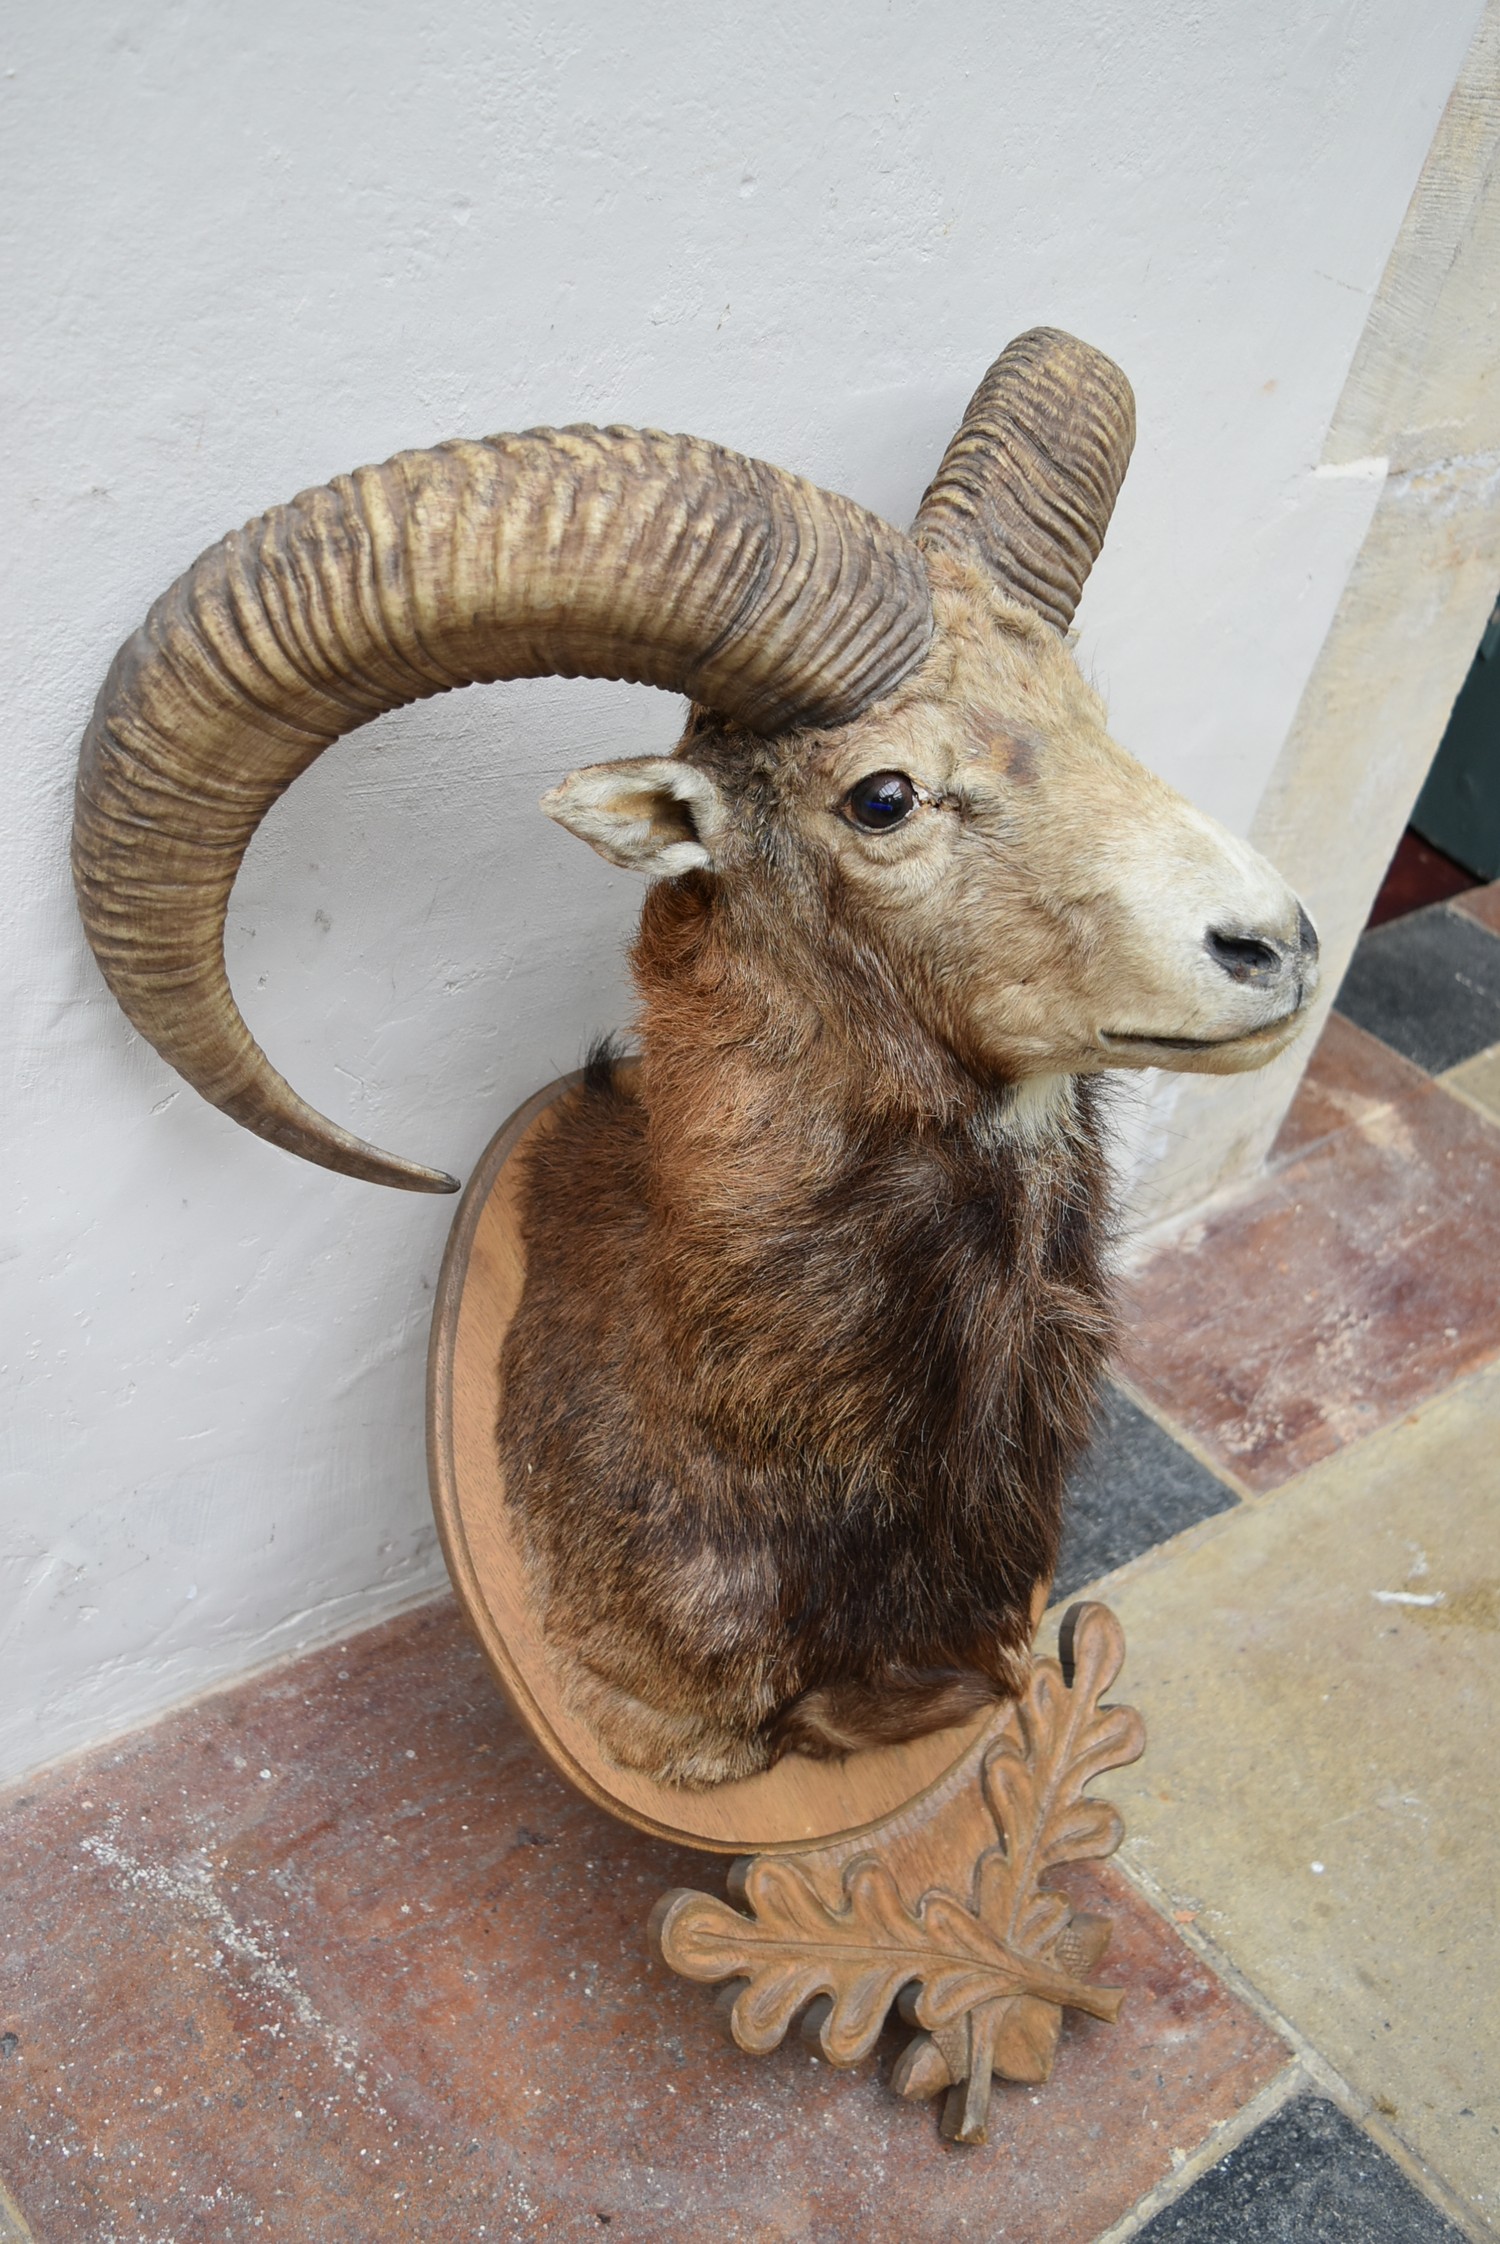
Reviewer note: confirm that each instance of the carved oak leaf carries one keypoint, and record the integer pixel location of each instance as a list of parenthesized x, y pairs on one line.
[(988, 1977), (1058, 1741), (795, 1948), (1015, 2038)]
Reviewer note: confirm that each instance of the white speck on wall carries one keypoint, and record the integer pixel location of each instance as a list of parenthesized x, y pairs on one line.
[(250, 249)]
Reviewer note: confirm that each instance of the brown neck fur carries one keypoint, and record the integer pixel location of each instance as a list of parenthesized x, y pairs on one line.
[(858, 1265), (788, 1463)]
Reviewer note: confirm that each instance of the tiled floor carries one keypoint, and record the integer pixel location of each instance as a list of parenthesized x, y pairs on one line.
[(1355, 1283), (1427, 985), (1137, 1486), (1483, 906), (334, 1956), (1308, 2173), (1418, 874), (1320, 1674)]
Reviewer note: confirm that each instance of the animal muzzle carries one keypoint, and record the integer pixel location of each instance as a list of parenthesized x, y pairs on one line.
[(1281, 969), (1233, 966)]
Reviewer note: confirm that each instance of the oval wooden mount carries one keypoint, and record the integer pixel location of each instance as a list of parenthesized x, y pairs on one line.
[(798, 1803), (908, 1876)]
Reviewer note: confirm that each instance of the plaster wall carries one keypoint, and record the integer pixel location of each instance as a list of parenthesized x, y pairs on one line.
[(1420, 415), (248, 248)]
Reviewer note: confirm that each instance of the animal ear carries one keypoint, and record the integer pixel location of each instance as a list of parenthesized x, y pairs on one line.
[(651, 814)]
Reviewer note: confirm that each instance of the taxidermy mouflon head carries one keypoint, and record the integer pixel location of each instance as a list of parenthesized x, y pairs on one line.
[(896, 718)]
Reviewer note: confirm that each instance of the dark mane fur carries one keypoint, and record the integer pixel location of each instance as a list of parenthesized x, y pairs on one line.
[(795, 1451)]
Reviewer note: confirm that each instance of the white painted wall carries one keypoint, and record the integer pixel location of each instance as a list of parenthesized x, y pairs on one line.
[(248, 247)]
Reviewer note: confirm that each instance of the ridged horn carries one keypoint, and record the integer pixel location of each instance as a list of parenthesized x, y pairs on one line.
[(604, 553), (1030, 481)]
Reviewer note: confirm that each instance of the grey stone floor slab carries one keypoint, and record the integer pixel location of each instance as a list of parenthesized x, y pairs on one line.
[(1308, 2176), (1428, 985), (1133, 1489)]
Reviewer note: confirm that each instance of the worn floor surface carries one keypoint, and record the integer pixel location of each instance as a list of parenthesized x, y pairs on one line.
[(334, 1956), (337, 1957), (1320, 1675)]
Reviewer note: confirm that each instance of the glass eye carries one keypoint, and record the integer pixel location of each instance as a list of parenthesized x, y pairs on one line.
[(880, 800)]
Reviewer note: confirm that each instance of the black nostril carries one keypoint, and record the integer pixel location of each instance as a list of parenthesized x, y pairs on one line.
[(1307, 936), (1244, 958)]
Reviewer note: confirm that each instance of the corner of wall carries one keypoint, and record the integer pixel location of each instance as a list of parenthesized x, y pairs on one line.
[(1420, 415)]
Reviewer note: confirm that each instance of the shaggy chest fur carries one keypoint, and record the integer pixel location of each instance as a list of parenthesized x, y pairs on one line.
[(790, 1399)]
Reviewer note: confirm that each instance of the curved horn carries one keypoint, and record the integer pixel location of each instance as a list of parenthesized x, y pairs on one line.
[(606, 553), (1030, 481)]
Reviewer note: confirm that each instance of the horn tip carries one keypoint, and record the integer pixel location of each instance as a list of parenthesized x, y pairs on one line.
[(312, 1138), (408, 1177)]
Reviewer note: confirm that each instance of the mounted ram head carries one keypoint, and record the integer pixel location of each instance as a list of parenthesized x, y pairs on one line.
[(912, 899)]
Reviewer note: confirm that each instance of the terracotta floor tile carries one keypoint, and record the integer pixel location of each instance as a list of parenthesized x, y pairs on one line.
[(1350, 1078), (335, 1957), (1350, 1284), (1320, 1675), (1482, 904), (1418, 874)]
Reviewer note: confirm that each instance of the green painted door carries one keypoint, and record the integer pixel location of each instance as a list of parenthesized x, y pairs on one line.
[(1458, 810)]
